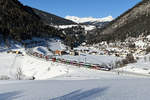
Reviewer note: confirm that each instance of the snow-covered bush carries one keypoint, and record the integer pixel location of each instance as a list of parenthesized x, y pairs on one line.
[(4, 77), (148, 49), (145, 58), (125, 61), (130, 58)]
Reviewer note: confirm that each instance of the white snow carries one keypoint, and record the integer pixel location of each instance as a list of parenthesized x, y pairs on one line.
[(140, 43), (42, 69), (57, 81), (93, 59), (42, 50), (86, 27), (65, 82), (89, 19), (65, 26), (142, 66), (101, 89), (148, 37), (56, 44)]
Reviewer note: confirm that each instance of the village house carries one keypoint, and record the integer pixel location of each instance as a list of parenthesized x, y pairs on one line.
[(74, 53), (93, 53), (58, 52)]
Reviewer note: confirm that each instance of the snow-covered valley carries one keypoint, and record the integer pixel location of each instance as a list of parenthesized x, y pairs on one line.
[(47, 57), (60, 81)]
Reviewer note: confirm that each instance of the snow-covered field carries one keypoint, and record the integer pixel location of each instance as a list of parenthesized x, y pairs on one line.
[(65, 82), (42, 69), (142, 66), (101, 89), (93, 59)]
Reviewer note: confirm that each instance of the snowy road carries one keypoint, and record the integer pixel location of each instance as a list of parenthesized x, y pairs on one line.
[(124, 72)]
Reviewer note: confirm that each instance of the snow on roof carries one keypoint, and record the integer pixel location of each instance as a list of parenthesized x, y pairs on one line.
[(148, 37), (140, 43)]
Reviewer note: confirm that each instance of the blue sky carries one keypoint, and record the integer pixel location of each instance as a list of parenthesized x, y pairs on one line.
[(82, 8)]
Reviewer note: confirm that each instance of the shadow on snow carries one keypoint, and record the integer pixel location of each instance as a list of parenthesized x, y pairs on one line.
[(10, 95), (79, 94)]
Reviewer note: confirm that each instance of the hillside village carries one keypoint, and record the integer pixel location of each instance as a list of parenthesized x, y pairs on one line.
[(137, 46), (104, 56), (55, 50)]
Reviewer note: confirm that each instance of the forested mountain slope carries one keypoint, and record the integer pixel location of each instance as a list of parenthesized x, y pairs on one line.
[(134, 22), (18, 23)]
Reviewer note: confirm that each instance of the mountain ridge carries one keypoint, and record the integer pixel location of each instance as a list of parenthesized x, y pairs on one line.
[(50, 19), (132, 23)]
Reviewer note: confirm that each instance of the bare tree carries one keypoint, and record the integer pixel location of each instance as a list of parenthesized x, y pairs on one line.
[(19, 73)]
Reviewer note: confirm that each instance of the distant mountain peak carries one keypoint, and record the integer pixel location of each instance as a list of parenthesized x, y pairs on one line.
[(89, 19)]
